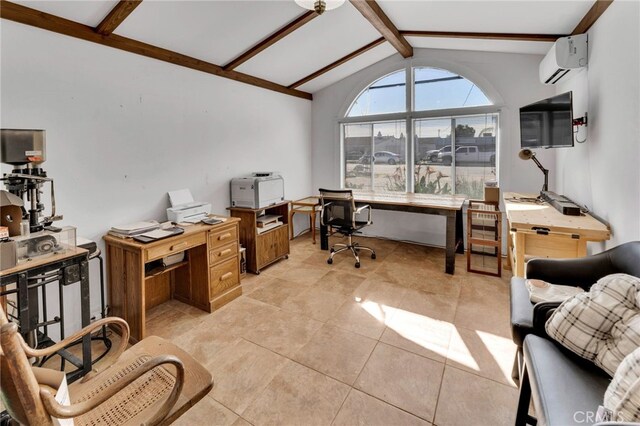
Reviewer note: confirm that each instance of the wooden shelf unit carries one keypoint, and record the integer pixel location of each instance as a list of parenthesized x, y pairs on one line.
[(268, 247), (484, 229)]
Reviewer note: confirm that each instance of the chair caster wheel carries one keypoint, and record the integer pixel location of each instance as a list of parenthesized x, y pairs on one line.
[(286, 256), (373, 255), (329, 261), (357, 264)]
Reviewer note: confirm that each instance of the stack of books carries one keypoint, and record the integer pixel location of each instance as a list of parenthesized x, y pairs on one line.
[(132, 229), (267, 222)]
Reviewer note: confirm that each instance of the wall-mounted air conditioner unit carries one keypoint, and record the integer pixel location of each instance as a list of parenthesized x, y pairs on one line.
[(567, 56)]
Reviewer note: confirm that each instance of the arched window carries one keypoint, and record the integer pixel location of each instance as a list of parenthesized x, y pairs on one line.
[(385, 95), (442, 89), (452, 123)]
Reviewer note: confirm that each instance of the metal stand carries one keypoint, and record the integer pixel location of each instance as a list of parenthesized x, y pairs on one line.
[(68, 270)]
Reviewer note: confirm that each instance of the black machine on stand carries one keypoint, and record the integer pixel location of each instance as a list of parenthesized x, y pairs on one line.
[(33, 240)]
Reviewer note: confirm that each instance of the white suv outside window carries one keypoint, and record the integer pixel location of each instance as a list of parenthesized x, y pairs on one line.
[(386, 157)]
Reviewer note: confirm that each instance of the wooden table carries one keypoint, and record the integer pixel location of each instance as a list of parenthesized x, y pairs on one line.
[(68, 267), (537, 229), (207, 278), (449, 206), (310, 206)]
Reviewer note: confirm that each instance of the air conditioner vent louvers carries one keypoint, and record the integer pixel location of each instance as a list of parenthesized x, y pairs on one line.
[(561, 72)]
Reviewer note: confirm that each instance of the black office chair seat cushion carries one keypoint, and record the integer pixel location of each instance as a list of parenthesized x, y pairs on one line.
[(521, 310), (564, 390), (346, 229)]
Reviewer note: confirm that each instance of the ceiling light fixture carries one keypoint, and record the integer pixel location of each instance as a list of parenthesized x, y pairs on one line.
[(320, 5)]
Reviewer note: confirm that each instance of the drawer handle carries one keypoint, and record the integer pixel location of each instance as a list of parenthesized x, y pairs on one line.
[(224, 236), (179, 246), (224, 252), (226, 276)]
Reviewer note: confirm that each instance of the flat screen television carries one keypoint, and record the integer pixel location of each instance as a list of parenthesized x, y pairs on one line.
[(547, 123)]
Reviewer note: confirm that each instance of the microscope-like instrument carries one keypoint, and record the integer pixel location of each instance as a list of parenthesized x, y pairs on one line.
[(25, 150)]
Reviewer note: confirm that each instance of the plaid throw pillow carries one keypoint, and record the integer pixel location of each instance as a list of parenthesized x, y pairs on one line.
[(602, 325), (623, 394)]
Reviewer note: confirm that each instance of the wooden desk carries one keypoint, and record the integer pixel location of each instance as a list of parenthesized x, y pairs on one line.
[(310, 206), (538, 230), (208, 278), (71, 266), (449, 206)]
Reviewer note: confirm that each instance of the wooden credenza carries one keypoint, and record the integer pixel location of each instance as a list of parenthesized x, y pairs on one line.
[(267, 247), (207, 278)]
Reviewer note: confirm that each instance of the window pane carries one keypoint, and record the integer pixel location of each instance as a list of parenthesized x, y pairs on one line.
[(357, 152), (432, 141), (475, 155), (385, 95), (389, 156), (441, 89)]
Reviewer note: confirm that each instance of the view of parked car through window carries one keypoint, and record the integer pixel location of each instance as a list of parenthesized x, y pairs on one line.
[(451, 154)]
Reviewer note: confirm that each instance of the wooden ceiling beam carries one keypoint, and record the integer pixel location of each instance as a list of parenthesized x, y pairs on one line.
[(337, 63), (272, 39), (491, 36), (592, 16), (381, 22), (35, 18), (117, 15)]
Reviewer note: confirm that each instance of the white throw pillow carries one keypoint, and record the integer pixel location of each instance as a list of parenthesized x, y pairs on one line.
[(542, 291), (623, 394), (603, 324)]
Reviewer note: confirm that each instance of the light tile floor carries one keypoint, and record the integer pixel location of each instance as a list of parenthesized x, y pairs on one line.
[(396, 342)]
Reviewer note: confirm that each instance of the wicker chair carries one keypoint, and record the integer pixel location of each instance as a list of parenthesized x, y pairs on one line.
[(153, 382)]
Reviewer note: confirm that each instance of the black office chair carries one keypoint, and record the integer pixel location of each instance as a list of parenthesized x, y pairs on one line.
[(339, 211)]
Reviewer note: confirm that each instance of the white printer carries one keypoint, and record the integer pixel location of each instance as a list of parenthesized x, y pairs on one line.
[(185, 209), (261, 189)]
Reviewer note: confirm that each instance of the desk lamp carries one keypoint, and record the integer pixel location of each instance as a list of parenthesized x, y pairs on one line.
[(527, 154)]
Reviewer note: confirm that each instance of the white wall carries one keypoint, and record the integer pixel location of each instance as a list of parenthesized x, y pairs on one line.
[(604, 171), (510, 80), (122, 130)]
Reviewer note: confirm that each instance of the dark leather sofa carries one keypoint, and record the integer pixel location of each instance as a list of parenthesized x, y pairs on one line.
[(565, 389), (582, 272)]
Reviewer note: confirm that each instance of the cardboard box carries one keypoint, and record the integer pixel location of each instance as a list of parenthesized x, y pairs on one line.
[(8, 255), (492, 194)]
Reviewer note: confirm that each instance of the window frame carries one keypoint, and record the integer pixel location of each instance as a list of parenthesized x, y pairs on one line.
[(409, 116)]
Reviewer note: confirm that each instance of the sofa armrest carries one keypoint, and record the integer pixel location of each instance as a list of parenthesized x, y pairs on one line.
[(541, 313), (582, 272)]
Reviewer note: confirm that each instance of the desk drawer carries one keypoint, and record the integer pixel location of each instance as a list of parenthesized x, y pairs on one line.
[(219, 254), (223, 276), (175, 246), (219, 238)]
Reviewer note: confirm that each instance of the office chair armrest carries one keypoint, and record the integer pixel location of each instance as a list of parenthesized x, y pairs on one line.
[(323, 207), (359, 210), (80, 408), (113, 355)]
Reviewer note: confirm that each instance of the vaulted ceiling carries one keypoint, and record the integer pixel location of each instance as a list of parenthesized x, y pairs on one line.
[(278, 45)]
